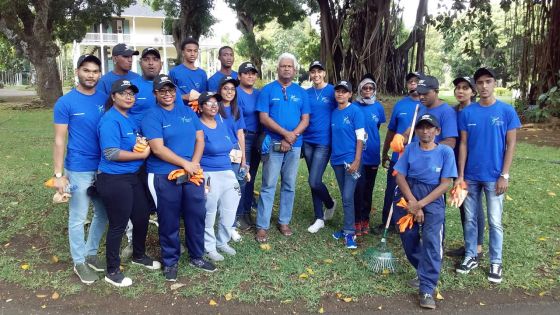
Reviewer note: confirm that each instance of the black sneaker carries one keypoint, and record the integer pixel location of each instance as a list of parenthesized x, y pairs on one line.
[(203, 265), (495, 274), (468, 264), (427, 301), (147, 262), (170, 273), (118, 279), (242, 223), (457, 252)]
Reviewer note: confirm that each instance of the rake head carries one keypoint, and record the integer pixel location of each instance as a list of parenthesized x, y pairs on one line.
[(380, 260)]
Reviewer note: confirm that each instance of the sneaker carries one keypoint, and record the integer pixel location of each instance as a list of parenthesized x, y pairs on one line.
[(414, 283), (226, 249), (242, 224), (338, 235), (365, 227), (147, 262), (118, 279), (316, 226), (85, 273), (358, 228), (329, 212), (495, 274), (350, 241), (203, 265), (126, 252), (170, 273), (96, 263), (468, 264), (214, 256), (235, 236), (427, 301), (457, 252)]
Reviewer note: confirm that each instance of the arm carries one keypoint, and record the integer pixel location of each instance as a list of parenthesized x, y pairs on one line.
[(462, 158), (60, 132), (405, 189), (385, 153), (436, 193), (198, 148), (164, 153), (241, 140), (511, 139), (451, 141), (357, 157), (124, 156)]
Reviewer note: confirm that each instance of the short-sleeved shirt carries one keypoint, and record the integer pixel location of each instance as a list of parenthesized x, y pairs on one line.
[(233, 125), (428, 167), (344, 123), (401, 117), (374, 116), (108, 78), (486, 128), (248, 103), (214, 80), (145, 99), (447, 118), (187, 79), (217, 145), (117, 131), (321, 104), (81, 113), (177, 128), (285, 109)]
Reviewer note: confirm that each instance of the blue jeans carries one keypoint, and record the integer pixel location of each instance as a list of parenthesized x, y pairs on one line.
[(347, 186), (275, 164), (317, 157), (494, 205), (78, 211), (253, 158)]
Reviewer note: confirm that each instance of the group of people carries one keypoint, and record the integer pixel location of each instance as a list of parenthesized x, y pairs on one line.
[(184, 146)]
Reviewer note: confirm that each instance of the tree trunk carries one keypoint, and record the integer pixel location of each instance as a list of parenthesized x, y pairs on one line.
[(49, 86), (331, 51), (246, 26)]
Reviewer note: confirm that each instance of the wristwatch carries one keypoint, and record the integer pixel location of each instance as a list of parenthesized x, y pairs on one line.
[(58, 175), (505, 176)]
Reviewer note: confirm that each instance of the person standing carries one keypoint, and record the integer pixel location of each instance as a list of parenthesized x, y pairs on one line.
[(226, 57), (76, 115), (488, 138), (189, 79), (122, 61), (284, 112)]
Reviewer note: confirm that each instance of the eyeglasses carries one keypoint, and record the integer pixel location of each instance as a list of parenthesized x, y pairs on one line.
[(125, 94), (163, 92), (211, 104), (284, 93)]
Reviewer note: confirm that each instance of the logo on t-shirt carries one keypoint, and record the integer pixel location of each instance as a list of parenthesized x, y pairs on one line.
[(346, 120), (295, 98), (100, 108), (186, 119), (325, 99), (497, 121), (436, 169), (402, 114), (374, 117)]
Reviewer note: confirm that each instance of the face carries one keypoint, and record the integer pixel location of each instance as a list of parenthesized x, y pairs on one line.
[(426, 132), (367, 90), (342, 95), (228, 92), (88, 75), (463, 92), (248, 79), (124, 100), (123, 62), (317, 76), (190, 53), (286, 70), (429, 98), (210, 107), (411, 85), (151, 66), (166, 95), (226, 58), (485, 86)]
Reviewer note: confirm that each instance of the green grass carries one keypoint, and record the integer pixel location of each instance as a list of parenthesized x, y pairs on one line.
[(32, 229)]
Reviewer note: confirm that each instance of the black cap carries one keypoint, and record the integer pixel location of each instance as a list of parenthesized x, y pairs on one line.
[(204, 97), (484, 71), (123, 50), (228, 78), (427, 83), (246, 67), (84, 58), (150, 50), (469, 81), (427, 118), (344, 84), (316, 64), (411, 75), (162, 80), (123, 84)]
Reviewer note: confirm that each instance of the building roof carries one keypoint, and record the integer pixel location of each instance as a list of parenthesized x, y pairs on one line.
[(142, 10)]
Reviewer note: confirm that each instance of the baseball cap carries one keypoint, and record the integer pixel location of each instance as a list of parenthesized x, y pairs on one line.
[(344, 84), (484, 71), (84, 58), (204, 97), (123, 50), (162, 80), (316, 64), (467, 79), (246, 67), (226, 79), (427, 118), (123, 84), (150, 50), (411, 75), (427, 83)]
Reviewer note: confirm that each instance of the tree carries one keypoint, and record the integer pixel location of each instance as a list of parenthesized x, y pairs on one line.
[(34, 27)]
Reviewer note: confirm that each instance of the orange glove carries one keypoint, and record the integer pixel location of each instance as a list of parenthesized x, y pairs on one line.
[(397, 144), (49, 183), (402, 203), (458, 195), (406, 222), (197, 178), (141, 145), (194, 106), (176, 174)]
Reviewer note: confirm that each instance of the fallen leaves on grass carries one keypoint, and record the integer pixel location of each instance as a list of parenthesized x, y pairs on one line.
[(265, 247), (328, 261), (55, 295), (380, 307), (41, 296), (543, 293), (303, 276), (508, 198), (310, 271), (551, 194), (25, 266), (347, 299), (321, 310), (54, 259), (543, 238), (482, 303), (43, 306), (228, 296), (212, 303), (176, 286)]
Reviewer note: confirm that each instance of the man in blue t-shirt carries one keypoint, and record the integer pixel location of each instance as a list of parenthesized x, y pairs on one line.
[(488, 136), (284, 112), (189, 79), (76, 115), (122, 60), (226, 57)]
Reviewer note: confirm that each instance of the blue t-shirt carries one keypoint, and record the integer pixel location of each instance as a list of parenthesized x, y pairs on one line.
[(284, 108), (232, 125), (108, 78), (428, 167), (447, 117), (344, 123), (321, 104), (187, 79), (177, 128), (214, 80), (374, 116), (145, 99), (81, 113), (248, 103), (486, 127), (217, 145), (401, 117), (117, 131)]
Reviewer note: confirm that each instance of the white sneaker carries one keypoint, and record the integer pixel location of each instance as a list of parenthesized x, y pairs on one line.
[(235, 236), (226, 249), (316, 226), (329, 212), (214, 256)]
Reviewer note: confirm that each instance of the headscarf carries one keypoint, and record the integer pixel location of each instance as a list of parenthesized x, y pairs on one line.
[(369, 100)]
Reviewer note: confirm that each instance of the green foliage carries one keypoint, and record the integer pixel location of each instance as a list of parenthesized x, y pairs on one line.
[(537, 115), (550, 101), (501, 91), (285, 12), (9, 58)]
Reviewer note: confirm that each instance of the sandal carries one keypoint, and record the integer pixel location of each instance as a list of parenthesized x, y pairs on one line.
[(285, 229), (261, 236)]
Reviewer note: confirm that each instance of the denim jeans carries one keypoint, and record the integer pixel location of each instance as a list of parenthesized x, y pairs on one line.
[(275, 164), (347, 186), (317, 157), (253, 158), (494, 205), (78, 211)]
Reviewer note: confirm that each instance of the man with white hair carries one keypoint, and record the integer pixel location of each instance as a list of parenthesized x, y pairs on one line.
[(284, 112)]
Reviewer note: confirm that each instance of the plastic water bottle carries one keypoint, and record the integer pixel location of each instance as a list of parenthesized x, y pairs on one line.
[(355, 174), (242, 172), (70, 188)]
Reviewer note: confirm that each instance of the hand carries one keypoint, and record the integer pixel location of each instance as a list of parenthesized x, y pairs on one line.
[(353, 168), (385, 161), (191, 167), (290, 137), (146, 152), (501, 186), (397, 144), (61, 183), (458, 182), (414, 206), (193, 95), (419, 216), (285, 146)]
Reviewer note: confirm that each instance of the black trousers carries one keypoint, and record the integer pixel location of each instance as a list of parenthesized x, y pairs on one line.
[(124, 198), (364, 193)]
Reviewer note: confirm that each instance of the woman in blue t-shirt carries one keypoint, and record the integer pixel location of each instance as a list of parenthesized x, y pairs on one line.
[(348, 135), (118, 181)]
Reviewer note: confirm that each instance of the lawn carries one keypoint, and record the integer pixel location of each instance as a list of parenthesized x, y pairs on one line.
[(33, 236)]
